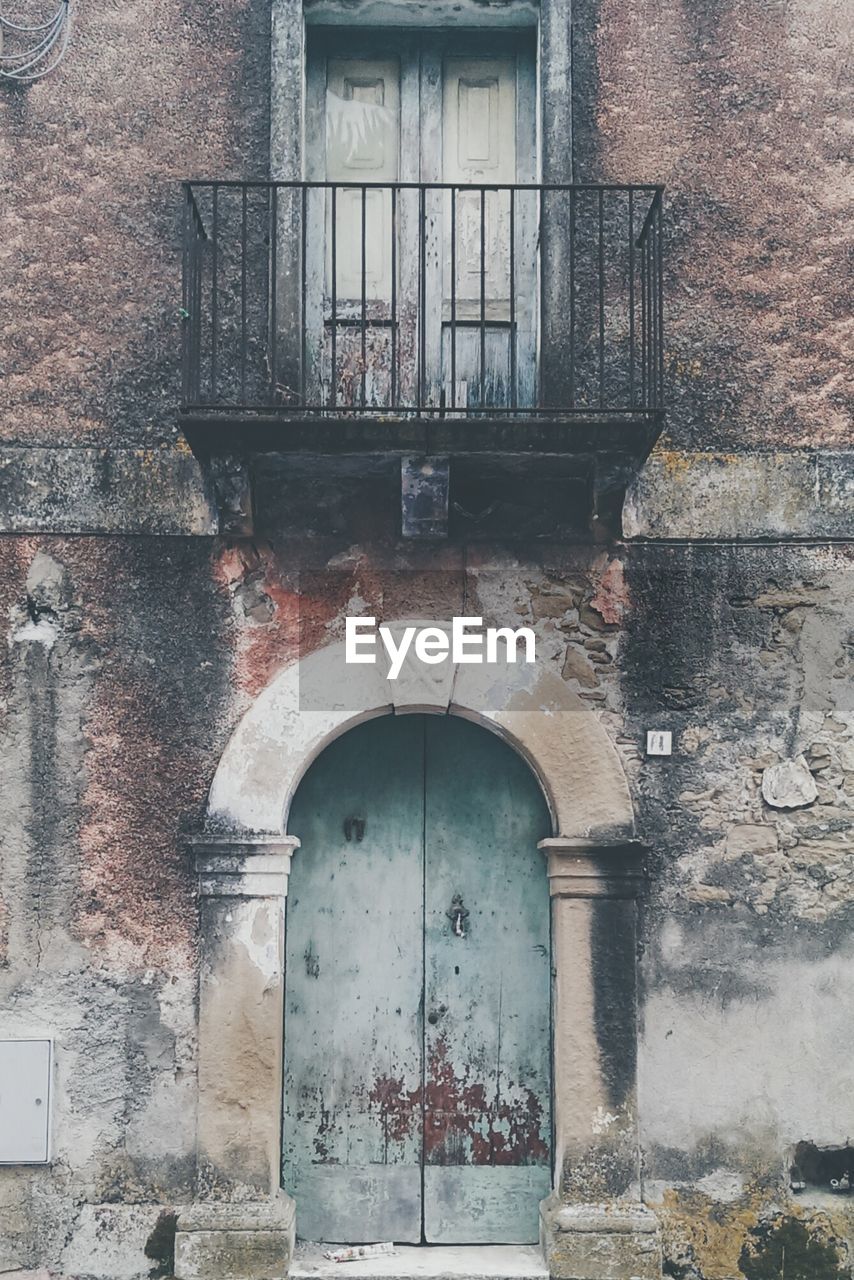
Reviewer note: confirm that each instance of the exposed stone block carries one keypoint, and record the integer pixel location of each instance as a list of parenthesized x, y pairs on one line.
[(235, 1241), (750, 838), (577, 666), (789, 785), (593, 1242), (708, 495), (154, 491)]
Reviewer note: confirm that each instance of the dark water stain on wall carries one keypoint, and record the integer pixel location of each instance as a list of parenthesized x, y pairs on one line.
[(788, 1248)]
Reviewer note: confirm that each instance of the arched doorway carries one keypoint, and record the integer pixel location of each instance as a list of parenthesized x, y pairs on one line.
[(417, 1097)]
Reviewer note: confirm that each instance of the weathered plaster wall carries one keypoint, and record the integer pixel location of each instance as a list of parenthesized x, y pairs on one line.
[(746, 654), (92, 158), (740, 107), (110, 708)]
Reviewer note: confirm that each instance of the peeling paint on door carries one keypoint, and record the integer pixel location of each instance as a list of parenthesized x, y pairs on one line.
[(417, 1037)]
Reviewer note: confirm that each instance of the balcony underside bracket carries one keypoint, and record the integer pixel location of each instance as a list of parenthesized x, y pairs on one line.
[(424, 493), (229, 478)]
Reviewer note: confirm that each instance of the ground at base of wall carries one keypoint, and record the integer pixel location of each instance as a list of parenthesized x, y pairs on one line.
[(425, 1262)]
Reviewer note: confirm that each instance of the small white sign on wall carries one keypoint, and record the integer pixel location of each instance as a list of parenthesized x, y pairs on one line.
[(659, 742), (26, 1068)]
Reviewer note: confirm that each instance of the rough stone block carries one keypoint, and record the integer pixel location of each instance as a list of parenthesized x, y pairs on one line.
[(705, 495), (140, 491), (235, 1242), (231, 1255), (789, 785), (751, 838), (593, 1242)]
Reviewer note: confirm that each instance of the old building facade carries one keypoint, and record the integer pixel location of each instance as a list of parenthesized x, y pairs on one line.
[(529, 312)]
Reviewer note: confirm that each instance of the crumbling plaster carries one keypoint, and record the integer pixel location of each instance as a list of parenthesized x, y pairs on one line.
[(98, 947), (745, 936)]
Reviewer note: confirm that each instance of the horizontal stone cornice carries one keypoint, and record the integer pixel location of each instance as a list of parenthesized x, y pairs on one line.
[(251, 865), (581, 868)]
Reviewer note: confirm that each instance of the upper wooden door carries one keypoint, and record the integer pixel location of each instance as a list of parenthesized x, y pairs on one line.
[(479, 146), (362, 146), (417, 1032), (421, 298)]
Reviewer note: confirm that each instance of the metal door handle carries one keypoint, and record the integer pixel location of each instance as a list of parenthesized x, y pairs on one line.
[(458, 916)]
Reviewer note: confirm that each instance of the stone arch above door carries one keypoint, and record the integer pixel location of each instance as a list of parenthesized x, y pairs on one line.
[(315, 700), (595, 873)]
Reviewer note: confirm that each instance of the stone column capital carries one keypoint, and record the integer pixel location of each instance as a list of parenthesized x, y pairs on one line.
[(589, 868), (245, 865)]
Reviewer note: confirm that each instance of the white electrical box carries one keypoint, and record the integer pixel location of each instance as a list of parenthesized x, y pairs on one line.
[(659, 742), (26, 1071)]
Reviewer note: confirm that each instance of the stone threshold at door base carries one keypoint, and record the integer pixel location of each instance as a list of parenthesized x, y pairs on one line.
[(425, 1262)]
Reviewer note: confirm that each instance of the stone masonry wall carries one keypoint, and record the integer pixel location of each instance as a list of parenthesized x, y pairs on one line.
[(126, 665)]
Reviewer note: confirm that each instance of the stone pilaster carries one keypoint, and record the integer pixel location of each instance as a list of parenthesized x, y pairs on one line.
[(242, 1226), (593, 1226)]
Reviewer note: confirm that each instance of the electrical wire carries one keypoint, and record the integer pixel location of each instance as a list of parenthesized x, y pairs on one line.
[(41, 56)]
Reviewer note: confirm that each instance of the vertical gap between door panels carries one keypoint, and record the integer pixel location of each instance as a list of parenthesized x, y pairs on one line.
[(424, 720)]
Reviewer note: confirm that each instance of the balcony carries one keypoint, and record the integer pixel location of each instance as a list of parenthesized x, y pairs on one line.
[(425, 318)]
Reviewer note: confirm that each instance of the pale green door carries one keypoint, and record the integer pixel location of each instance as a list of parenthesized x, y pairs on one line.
[(417, 1032)]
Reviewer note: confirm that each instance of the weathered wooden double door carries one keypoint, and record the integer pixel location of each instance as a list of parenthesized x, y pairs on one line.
[(421, 297), (417, 1093)]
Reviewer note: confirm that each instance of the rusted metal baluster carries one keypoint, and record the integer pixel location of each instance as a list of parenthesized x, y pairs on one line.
[(572, 216), (482, 297), (186, 314), (453, 297), (514, 399), (333, 391), (303, 387), (274, 282), (243, 220), (214, 291), (422, 300), (660, 264), (364, 269), (644, 366), (393, 298), (631, 299), (601, 221)]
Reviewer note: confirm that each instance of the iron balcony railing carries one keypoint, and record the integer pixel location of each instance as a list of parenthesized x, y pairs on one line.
[(419, 299)]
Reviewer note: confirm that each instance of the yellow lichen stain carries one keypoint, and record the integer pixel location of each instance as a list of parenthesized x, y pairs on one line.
[(713, 1234), (686, 368), (676, 462)]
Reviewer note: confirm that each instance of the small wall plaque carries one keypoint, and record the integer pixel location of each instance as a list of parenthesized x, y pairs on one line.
[(659, 742)]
